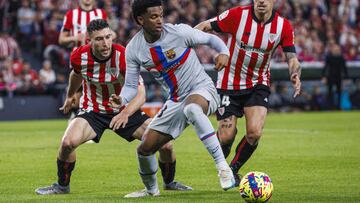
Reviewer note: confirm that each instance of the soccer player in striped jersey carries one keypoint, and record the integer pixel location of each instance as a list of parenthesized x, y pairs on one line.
[(255, 31), (73, 32), (100, 67), (165, 50)]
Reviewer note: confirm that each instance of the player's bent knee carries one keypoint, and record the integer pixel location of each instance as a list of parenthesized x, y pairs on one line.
[(144, 150), (68, 145), (253, 136), (191, 110), (168, 147), (227, 136)]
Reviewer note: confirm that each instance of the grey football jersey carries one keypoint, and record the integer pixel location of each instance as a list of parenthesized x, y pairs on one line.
[(171, 59)]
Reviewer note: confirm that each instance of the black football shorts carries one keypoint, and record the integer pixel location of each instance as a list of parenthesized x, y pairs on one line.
[(233, 104), (100, 122)]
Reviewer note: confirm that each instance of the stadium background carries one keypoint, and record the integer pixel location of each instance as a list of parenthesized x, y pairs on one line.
[(310, 156), (33, 67)]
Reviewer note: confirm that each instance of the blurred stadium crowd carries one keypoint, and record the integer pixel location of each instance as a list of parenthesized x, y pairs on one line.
[(32, 62)]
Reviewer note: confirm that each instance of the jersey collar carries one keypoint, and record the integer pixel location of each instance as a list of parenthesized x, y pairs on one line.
[(257, 20), (102, 61)]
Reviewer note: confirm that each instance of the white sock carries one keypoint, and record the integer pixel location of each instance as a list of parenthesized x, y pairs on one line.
[(147, 169), (206, 133)]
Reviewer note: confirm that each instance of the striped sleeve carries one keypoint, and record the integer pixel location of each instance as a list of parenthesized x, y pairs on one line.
[(67, 24), (226, 22), (288, 37), (75, 61)]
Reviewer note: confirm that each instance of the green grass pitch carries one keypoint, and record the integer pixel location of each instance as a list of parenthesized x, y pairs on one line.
[(311, 157)]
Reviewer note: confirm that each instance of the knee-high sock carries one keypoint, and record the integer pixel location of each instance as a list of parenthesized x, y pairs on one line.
[(205, 132), (64, 172), (168, 171), (244, 150), (147, 169)]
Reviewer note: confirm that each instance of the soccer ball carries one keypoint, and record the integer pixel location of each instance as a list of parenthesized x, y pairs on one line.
[(256, 187)]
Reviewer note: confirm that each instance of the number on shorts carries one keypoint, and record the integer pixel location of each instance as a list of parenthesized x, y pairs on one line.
[(225, 100), (162, 111)]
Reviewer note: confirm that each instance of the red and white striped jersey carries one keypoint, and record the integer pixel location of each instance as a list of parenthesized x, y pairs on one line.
[(251, 44), (76, 21), (8, 46), (101, 79)]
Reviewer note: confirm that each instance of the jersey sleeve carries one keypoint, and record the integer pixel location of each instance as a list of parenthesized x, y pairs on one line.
[(130, 88), (122, 62), (287, 38), (225, 22), (75, 61), (67, 24), (195, 37)]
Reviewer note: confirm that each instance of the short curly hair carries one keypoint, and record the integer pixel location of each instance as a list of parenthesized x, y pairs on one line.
[(139, 7), (96, 25)]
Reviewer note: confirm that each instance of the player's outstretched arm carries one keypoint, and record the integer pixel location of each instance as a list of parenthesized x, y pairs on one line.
[(204, 26), (294, 71), (121, 119), (75, 80), (198, 37)]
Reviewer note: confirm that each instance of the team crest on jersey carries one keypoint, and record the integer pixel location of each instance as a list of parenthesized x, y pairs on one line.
[(223, 15), (112, 71), (221, 110), (170, 54), (272, 37)]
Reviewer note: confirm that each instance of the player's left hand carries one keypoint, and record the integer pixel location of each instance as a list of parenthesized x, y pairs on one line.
[(115, 101), (295, 80), (119, 120), (67, 105), (221, 61)]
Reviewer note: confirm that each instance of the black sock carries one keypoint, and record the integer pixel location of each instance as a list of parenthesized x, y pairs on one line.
[(244, 151), (64, 172), (168, 171)]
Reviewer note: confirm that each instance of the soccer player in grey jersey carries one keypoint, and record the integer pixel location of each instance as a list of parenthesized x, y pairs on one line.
[(166, 51)]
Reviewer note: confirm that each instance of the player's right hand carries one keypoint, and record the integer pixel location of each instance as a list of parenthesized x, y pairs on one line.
[(119, 121), (115, 101), (68, 103), (221, 61)]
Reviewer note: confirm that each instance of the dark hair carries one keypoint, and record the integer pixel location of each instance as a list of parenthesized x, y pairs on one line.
[(139, 7), (96, 25)]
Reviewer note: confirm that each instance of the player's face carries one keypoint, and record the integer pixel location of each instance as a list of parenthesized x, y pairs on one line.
[(86, 2), (152, 20), (101, 42), (263, 6)]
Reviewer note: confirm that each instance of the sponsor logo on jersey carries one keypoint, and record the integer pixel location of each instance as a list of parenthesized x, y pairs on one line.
[(170, 54), (252, 49)]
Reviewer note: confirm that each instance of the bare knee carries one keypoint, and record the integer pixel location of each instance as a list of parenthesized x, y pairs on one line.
[(68, 145), (145, 150), (253, 135), (227, 136), (166, 148)]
